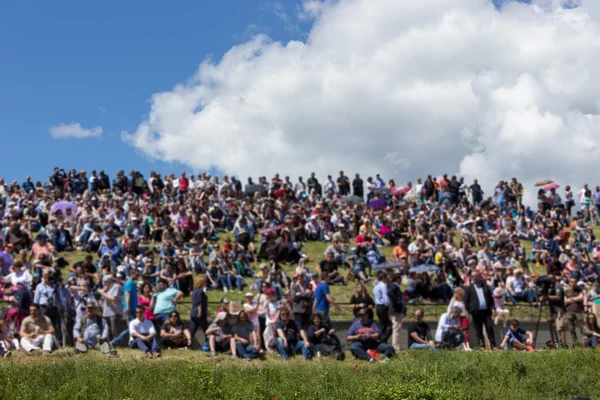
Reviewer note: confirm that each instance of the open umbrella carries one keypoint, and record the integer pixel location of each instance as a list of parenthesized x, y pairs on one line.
[(390, 265), (402, 191), (544, 182), (424, 268), (251, 189), (384, 191), (377, 204), (551, 186), (62, 206), (8, 261), (352, 200)]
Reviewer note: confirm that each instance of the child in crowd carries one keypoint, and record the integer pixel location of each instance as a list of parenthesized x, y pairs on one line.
[(501, 311)]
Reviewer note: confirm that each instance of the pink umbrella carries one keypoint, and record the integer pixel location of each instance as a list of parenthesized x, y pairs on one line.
[(551, 186), (402, 191)]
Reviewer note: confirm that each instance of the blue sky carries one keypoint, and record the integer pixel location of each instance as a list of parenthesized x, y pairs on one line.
[(98, 63)]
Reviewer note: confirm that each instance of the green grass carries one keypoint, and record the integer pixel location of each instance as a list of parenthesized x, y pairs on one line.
[(410, 375)]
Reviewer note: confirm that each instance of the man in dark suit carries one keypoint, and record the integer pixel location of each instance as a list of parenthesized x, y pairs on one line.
[(479, 303)]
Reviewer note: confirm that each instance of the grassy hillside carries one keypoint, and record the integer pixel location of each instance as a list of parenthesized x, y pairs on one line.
[(411, 375)]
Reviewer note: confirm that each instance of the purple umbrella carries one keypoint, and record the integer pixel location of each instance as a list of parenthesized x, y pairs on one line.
[(551, 186), (377, 204), (62, 206), (8, 261)]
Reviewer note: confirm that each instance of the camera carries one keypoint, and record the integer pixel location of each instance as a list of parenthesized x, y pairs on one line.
[(543, 285)]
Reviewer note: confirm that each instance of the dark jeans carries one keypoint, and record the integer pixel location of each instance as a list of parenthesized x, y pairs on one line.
[(592, 342), (385, 323), (198, 323), (360, 350), (245, 350), (125, 333), (146, 347), (481, 318), (303, 319)]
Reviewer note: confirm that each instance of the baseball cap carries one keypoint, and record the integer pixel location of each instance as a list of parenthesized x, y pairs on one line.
[(362, 311), (249, 294), (224, 300)]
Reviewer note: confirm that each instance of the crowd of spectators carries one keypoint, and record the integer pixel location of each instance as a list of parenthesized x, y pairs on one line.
[(151, 242)]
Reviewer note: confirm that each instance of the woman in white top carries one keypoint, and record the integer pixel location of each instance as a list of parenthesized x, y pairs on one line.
[(18, 274), (457, 301)]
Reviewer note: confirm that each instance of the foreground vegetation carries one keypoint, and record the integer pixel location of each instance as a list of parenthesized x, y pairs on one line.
[(411, 375)]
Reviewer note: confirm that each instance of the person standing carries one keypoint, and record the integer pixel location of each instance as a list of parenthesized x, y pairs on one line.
[(382, 306), (323, 298), (199, 311), (358, 187), (343, 184), (130, 302), (479, 303), (112, 307), (397, 309), (574, 309), (164, 302)]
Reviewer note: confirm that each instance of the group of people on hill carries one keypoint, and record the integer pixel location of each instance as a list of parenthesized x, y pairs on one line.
[(152, 242)]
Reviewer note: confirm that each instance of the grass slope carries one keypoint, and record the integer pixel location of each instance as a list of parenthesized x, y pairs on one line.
[(411, 375)]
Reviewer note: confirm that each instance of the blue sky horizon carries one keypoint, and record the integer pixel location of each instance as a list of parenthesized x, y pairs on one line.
[(92, 69)]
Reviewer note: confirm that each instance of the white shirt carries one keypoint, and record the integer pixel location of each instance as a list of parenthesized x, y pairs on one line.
[(144, 327)]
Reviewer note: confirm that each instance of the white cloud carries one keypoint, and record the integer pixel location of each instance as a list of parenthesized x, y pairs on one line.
[(74, 130), (400, 87)]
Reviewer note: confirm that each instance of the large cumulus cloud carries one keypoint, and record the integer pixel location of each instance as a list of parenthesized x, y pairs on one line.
[(400, 87)]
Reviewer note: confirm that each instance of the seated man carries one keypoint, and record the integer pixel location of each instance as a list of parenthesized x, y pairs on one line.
[(364, 336), (91, 332), (452, 334), (36, 331), (518, 290), (142, 334), (173, 334), (244, 341), (515, 338), (291, 338), (419, 335), (219, 334)]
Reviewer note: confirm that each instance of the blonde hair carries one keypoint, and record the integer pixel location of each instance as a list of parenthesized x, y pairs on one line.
[(200, 282), (459, 293)]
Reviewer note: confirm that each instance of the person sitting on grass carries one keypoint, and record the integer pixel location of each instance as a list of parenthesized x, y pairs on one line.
[(364, 336), (323, 338), (515, 338), (453, 334), (419, 334), (244, 342), (173, 334), (91, 332), (142, 335), (291, 338), (219, 334), (36, 331), (591, 331)]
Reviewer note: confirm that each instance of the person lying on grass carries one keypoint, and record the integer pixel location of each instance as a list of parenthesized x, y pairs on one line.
[(517, 338)]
